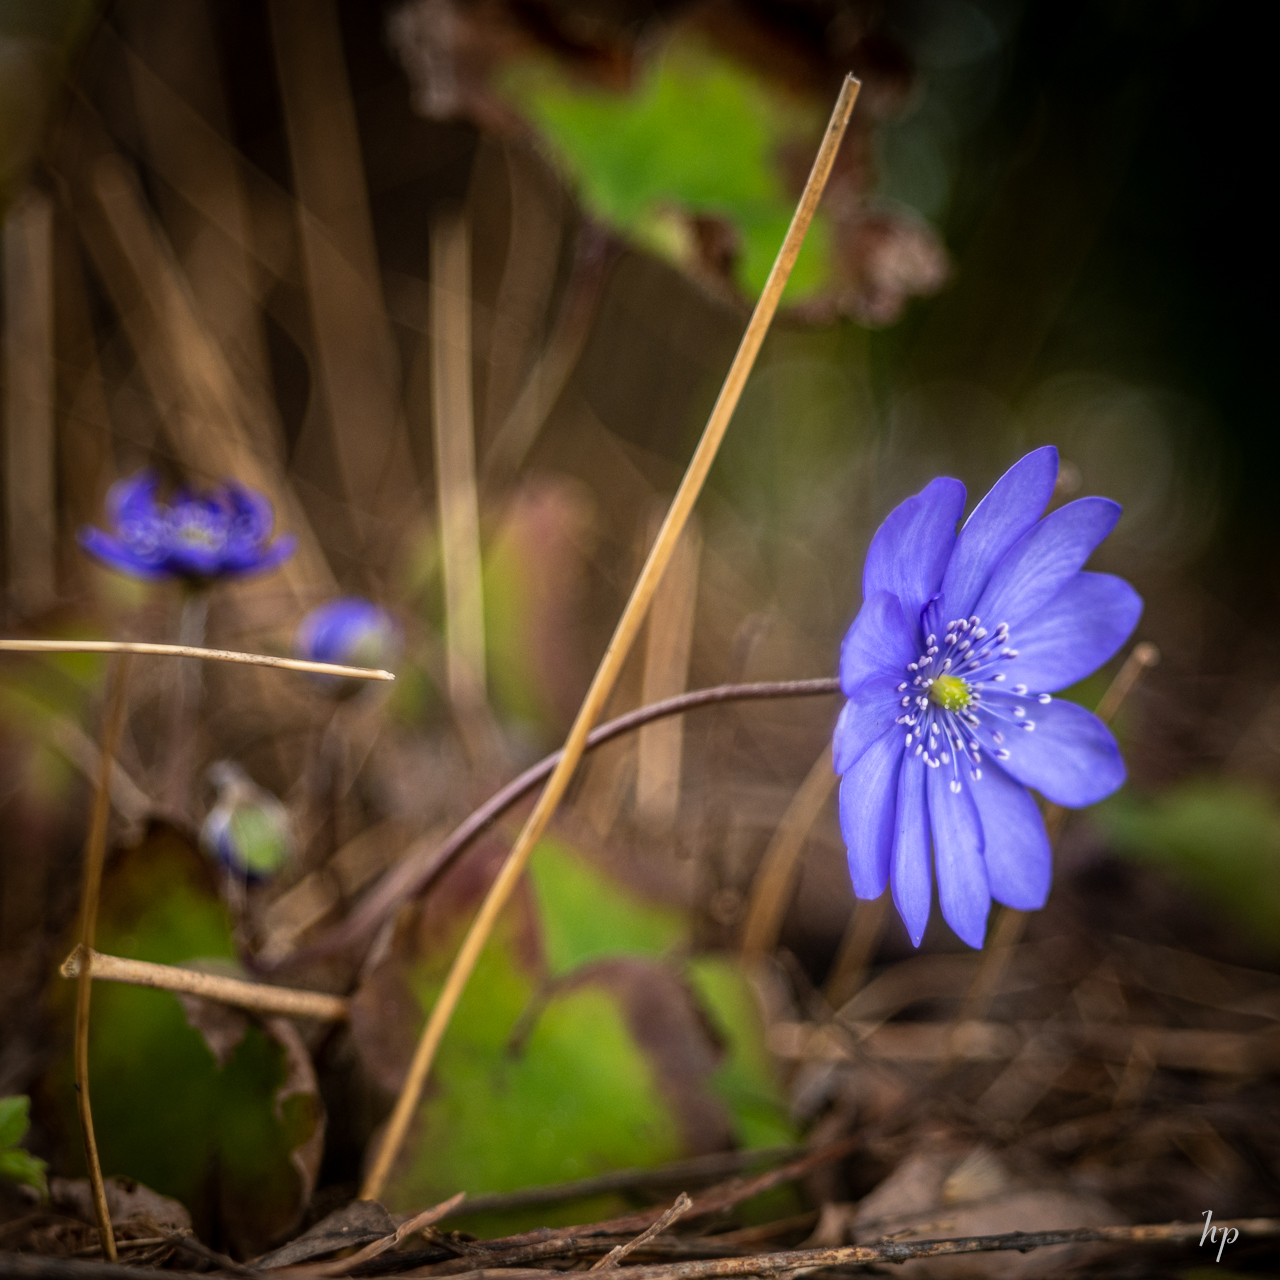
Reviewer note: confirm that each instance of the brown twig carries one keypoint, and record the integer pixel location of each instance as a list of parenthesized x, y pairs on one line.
[(234, 991), (696, 1169), (619, 646), (421, 866), (615, 1255), (190, 651), (94, 856), (427, 1218), (767, 1264)]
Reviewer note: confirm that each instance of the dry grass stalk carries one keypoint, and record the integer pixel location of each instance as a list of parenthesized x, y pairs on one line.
[(30, 526), (357, 365), (771, 893), (615, 1255), (257, 996), (453, 430), (95, 851), (619, 647), (668, 642), (191, 651), (861, 937), (1010, 924)]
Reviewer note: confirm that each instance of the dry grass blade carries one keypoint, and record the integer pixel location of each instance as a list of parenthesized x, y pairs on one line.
[(624, 636), (191, 651), (615, 1255), (94, 856), (771, 893), (234, 991), (423, 1220), (30, 500)]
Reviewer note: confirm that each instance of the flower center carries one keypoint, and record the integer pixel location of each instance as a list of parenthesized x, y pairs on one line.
[(954, 689), (951, 693)]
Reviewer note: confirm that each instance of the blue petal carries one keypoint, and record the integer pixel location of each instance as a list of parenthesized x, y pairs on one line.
[(879, 643), (1074, 634), (870, 712), (117, 555), (257, 559), (909, 553), (1044, 560), (1019, 863), (1070, 758), (957, 850), (910, 874), (1014, 504), (868, 802), (252, 515), (133, 498)]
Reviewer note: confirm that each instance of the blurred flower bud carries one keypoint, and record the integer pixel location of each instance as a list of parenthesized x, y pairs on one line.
[(350, 631)]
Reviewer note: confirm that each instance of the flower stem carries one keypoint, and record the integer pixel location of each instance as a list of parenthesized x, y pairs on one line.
[(94, 856), (606, 675)]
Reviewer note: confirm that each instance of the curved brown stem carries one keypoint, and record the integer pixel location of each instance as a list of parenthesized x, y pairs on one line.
[(419, 870)]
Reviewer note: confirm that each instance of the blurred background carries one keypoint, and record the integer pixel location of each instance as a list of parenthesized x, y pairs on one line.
[(454, 286)]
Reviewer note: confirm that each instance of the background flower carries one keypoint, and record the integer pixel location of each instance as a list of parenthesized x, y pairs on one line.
[(224, 532), (949, 669), (247, 830), (352, 631)]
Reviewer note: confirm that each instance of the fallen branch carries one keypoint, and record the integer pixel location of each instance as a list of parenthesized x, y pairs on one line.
[(257, 996)]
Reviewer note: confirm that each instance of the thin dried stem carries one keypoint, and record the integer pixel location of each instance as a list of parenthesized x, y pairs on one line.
[(771, 893), (427, 1218), (235, 991), (624, 636), (615, 1255), (424, 863), (94, 855), (1010, 924), (190, 651)]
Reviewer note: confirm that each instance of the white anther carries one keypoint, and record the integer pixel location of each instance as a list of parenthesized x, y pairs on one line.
[(998, 678), (955, 786), (976, 775), (980, 633), (1002, 754), (906, 702), (1020, 689), (1029, 726), (946, 757), (1019, 712), (913, 666), (902, 688), (920, 748), (997, 737), (1044, 699), (932, 639)]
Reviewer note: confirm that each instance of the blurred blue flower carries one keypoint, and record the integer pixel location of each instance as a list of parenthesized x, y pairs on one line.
[(223, 533), (351, 631), (948, 670), (248, 829)]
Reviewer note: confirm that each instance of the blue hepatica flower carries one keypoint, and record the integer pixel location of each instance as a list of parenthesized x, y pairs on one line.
[(225, 532), (351, 631), (949, 669)]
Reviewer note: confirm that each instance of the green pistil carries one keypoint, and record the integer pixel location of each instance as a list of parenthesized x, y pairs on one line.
[(950, 693)]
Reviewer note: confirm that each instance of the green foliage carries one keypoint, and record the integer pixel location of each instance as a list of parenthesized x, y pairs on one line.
[(241, 1095), (587, 915), (1222, 837), (17, 1165), (577, 1048), (699, 136)]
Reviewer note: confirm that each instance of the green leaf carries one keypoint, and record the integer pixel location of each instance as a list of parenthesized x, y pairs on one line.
[(587, 915), (577, 1046), (241, 1094), (699, 136), (17, 1165), (1221, 837)]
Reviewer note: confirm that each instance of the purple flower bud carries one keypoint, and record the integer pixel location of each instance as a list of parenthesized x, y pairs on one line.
[(198, 537), (351, 631)]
